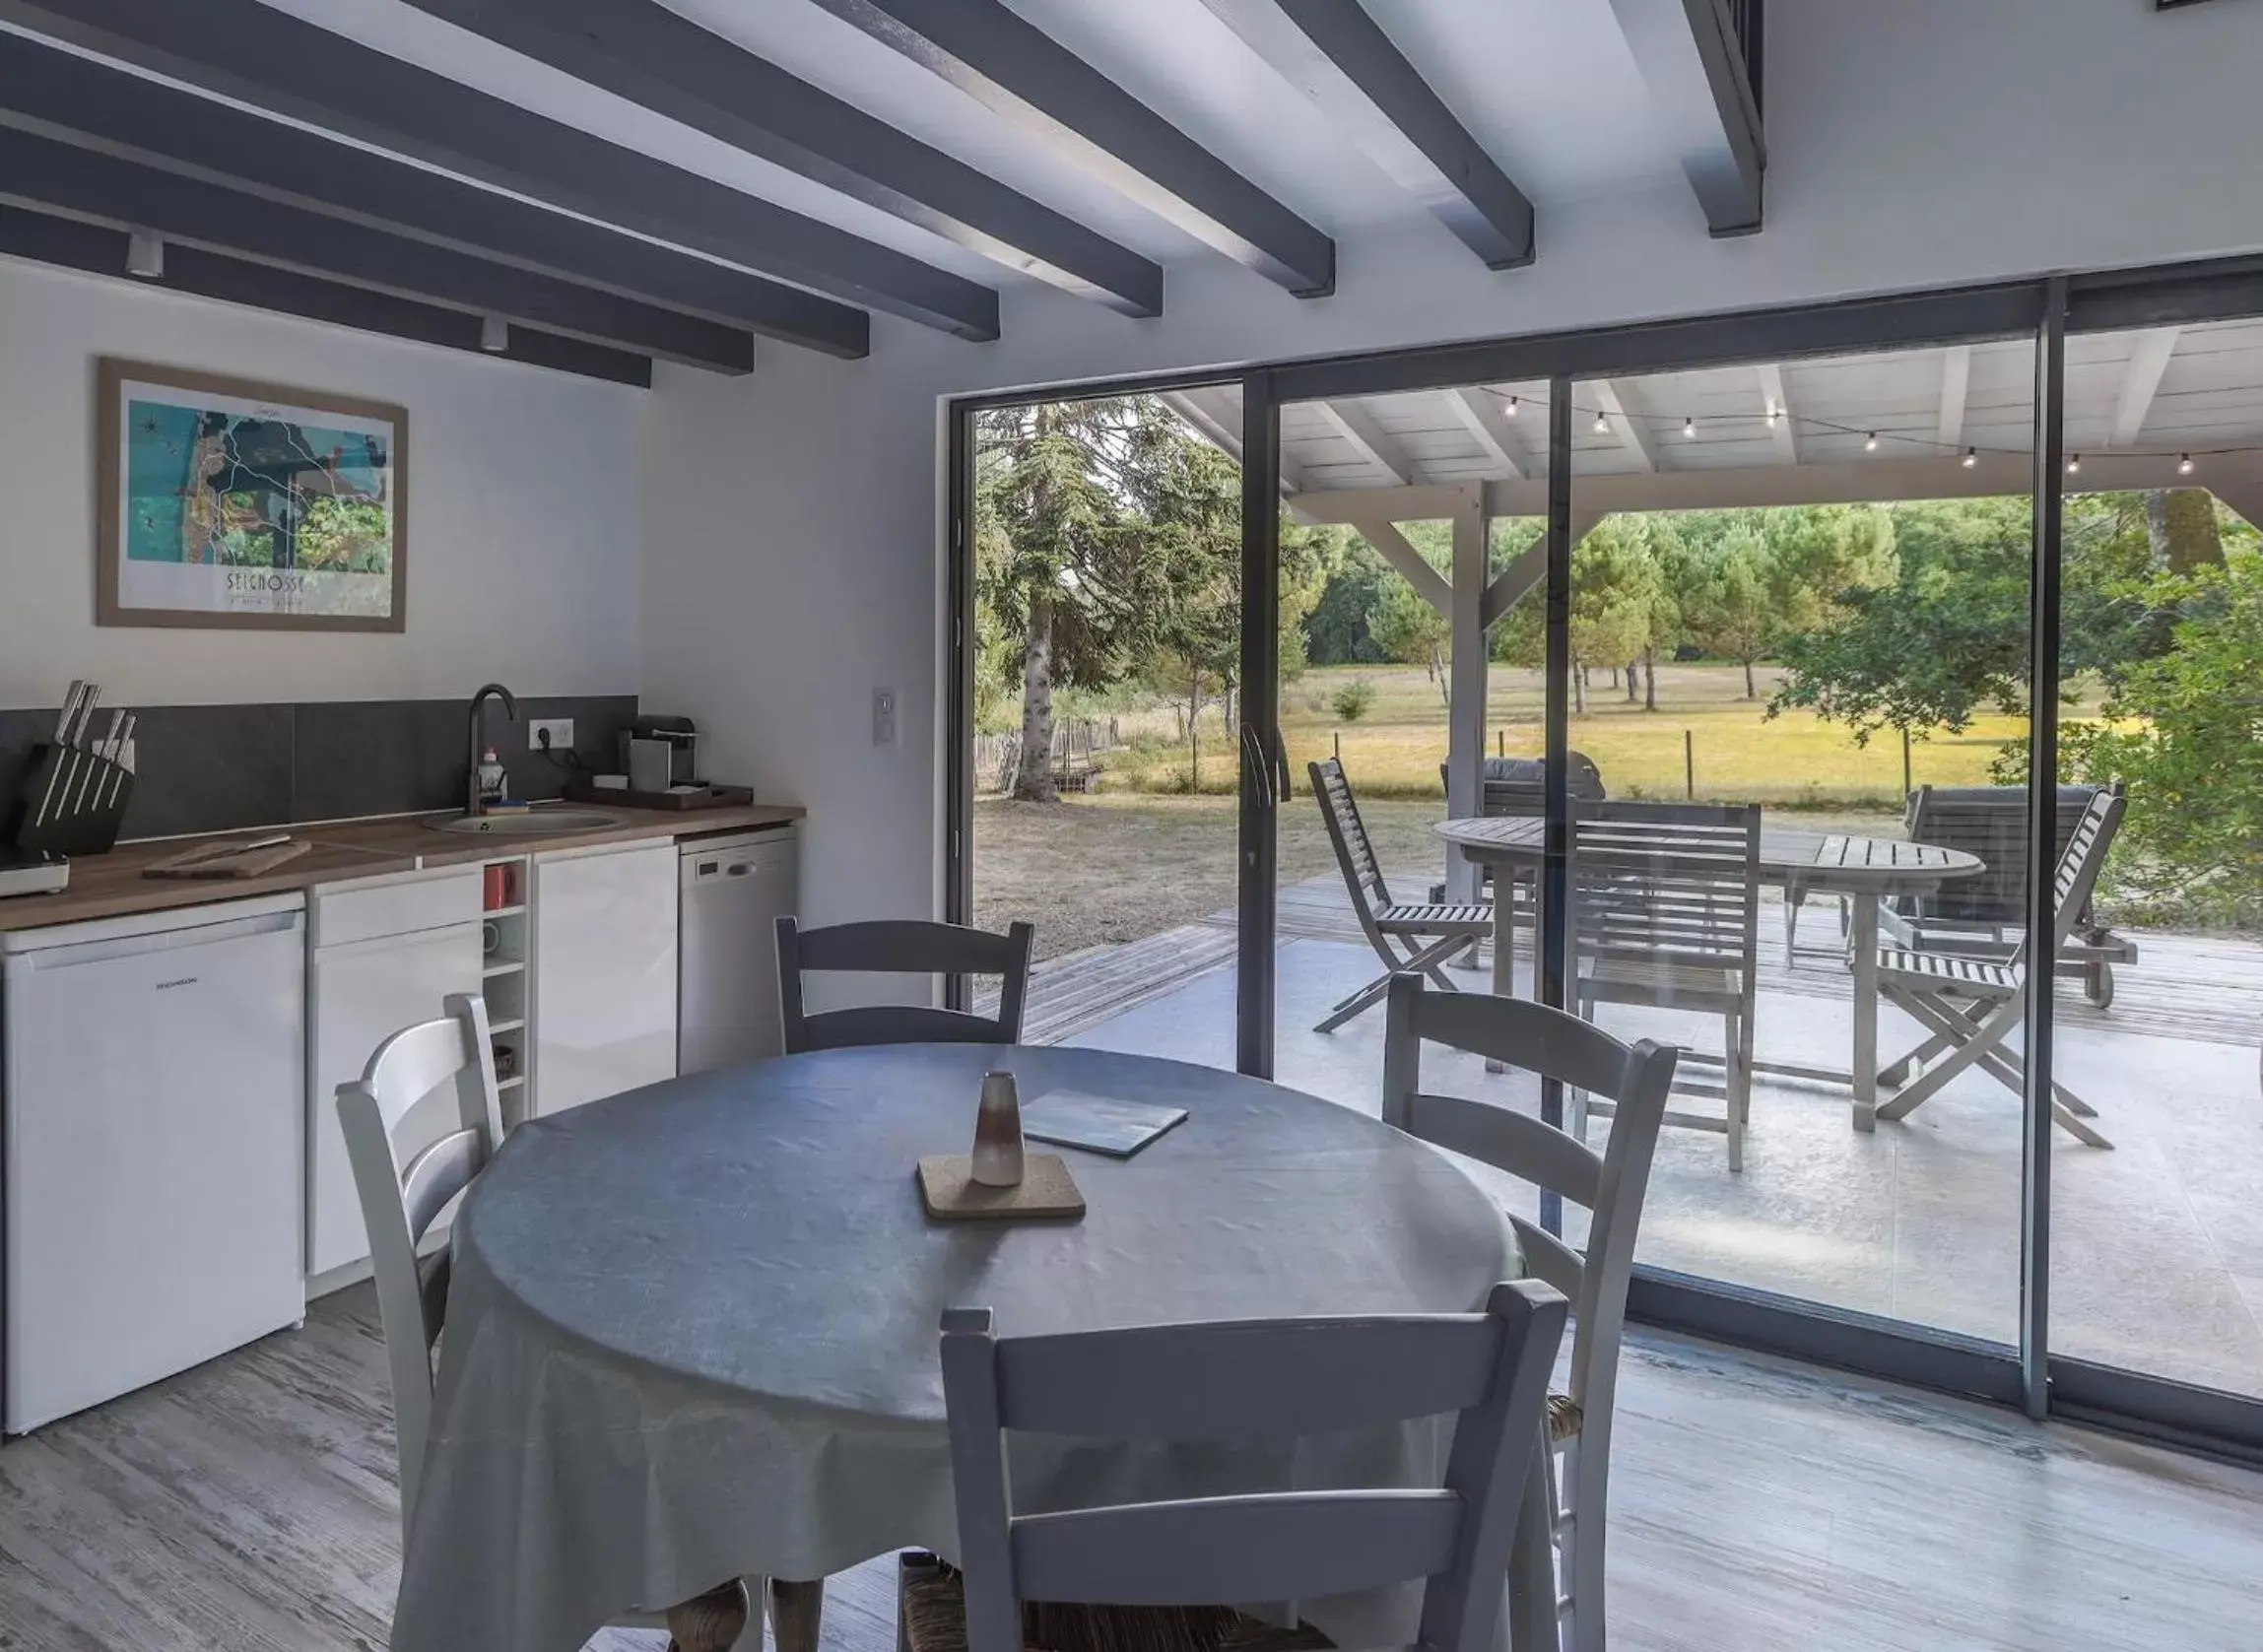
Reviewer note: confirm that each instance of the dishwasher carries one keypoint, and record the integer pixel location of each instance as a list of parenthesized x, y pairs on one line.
[(732, 891), (154, 1099)]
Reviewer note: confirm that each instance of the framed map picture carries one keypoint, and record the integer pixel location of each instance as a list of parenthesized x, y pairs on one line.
[(230, 503)]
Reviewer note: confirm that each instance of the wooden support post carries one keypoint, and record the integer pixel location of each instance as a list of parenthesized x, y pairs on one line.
[(1907, 787), (1690, 765), (1465, 725)]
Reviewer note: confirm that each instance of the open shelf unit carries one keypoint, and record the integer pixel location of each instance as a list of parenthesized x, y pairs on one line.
[(505, 983)]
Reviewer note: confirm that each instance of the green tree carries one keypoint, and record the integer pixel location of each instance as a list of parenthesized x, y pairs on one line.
[(1404, 626), (1729, 605), (2184, 731)]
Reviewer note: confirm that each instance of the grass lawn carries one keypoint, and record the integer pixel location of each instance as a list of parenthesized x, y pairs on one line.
[(1795, 760), (1143, 854)]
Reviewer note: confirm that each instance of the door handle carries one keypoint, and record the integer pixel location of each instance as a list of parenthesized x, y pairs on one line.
[(1257, 766), (1287, 787)]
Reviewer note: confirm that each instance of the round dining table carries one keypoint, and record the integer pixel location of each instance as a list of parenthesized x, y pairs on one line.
[(693, 1330), (1868, 871)]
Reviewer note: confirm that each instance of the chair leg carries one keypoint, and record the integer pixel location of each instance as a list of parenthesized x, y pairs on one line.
[(1587, 1475), (1974, 1038), (1732, 1091), (1366, 998), (1532, 1560), (1793, 898)]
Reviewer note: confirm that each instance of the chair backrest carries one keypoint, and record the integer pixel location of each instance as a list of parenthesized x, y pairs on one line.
[(1610, 1186), (1665, 885), (400, 1200), (1518, 786), (2080, 864), (1261, 1379), (901, 945), (1990, 822), (1348, 836)]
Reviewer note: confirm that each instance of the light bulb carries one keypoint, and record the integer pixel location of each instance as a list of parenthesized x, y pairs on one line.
[(1771, 416), (1971, 457), (1511, 410), (1602, 425), (2184, 464), (1689, 430), (1870, 443), (2074, 464)]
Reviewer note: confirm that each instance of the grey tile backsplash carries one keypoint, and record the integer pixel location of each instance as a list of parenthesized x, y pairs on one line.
[(217, 767)]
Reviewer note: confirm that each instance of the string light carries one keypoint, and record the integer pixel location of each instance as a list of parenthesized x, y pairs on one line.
[(1870, 443), (1601, 423), (1689, 430), (2184, 464), (1772, 414), (1511, 410), (2074, 464), (1971, 457)]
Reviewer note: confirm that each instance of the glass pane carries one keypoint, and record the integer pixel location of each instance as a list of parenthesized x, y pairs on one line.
[(2157, 1245), (1107, 623), (1800, 614)]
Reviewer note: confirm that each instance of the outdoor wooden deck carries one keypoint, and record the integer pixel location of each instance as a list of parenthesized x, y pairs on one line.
[(2201, 987)]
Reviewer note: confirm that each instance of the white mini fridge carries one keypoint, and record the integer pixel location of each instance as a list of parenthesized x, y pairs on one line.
[(154, 1095)]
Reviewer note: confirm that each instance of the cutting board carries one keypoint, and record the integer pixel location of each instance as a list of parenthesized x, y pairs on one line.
[(1046, 1192), (210, 861)]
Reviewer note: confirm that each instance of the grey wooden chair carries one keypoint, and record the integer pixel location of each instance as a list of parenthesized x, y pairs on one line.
[(1431, 932), (1569, 1505), (901, 945), (1665, 904), (1252, 1379), (1971, 1005), (400, 1203)]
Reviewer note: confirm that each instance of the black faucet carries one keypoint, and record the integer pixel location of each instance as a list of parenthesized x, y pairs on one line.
[(472, 805)]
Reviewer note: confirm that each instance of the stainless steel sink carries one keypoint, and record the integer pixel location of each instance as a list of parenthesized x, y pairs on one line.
[(540, 823)]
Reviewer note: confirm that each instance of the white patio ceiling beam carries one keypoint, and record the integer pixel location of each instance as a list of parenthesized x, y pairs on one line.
[(1955, 379), (1220, 425), (2149, 358), (1631, 433), (1394, 548), (1377, 445), (1479, 413), (1784, 428)]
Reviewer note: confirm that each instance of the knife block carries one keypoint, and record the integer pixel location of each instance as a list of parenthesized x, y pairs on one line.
[(74, 800)]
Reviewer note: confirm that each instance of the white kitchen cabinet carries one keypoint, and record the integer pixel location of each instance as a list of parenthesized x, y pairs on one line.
[(603, 994), (385, 954)]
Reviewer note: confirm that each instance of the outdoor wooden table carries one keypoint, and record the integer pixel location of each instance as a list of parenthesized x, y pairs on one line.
[(1869, 871)]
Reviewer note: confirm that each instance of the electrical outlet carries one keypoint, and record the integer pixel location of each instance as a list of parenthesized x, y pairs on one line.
[(559, 729), (884, 716)]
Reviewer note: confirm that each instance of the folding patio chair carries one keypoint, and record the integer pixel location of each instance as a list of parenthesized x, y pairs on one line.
[(1666, 914), (1431, 932), (1970, 1004)]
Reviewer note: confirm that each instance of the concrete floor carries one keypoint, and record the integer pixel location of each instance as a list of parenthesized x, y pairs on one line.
[(2157, 1244)]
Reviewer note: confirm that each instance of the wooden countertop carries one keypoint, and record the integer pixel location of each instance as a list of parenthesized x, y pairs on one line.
[(111, 885)]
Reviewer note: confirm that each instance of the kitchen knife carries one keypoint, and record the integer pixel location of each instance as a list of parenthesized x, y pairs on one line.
[(79, 758), (121, 761), (63, 721)]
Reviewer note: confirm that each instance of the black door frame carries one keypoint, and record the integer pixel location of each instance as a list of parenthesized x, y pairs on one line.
[(2045, 310)]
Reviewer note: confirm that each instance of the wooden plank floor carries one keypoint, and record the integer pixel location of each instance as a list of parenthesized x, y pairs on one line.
[(248, 1507)]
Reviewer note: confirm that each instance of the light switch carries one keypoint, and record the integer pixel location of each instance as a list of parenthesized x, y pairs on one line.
[(884, 716)]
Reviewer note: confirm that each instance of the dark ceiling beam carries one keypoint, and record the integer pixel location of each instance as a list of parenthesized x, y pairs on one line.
[(41, 173), (46, 90), (1334, 52), (1694, 67), (1025, 76), (650, 56), (97, 249), (273, 61)]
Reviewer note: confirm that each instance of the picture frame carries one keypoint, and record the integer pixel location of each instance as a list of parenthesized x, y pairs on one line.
[(235, 503)]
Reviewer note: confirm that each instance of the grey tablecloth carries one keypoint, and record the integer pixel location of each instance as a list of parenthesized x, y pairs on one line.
[(692, 1331)]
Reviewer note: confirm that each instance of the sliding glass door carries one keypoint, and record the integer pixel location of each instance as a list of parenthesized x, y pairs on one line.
[(1934, 607)]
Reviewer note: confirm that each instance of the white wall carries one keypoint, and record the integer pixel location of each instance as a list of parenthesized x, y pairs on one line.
[(792, 551), (522, 510)]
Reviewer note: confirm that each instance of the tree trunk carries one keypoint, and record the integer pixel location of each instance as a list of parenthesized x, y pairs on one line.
[(2180, 524), (1438, 676), (1613, 677), (1634, 686), (1649, 680), (1578, 690), (1033, 774), (1752, 690), (1194, 733)]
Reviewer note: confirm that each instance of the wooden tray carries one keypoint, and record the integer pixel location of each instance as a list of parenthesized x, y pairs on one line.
[(214, 861), (1047, 1192)]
